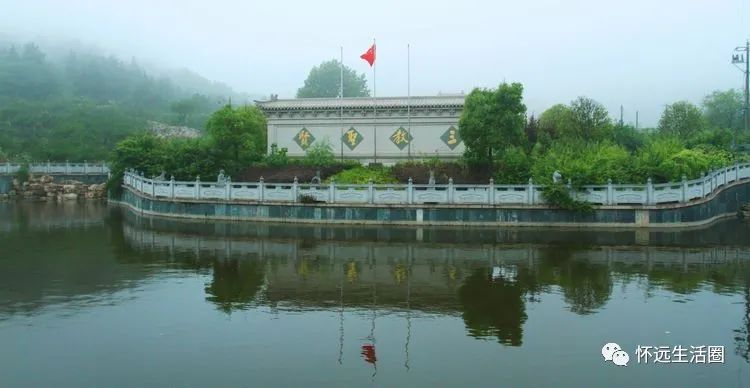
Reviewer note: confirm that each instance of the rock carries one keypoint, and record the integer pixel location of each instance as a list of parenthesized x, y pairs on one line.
[(46, 179), (70, 196), (67, 189)]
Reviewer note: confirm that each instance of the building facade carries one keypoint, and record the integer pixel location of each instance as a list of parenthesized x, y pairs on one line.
[(383, 130)]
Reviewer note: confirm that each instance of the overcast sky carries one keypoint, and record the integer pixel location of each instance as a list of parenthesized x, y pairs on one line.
[(638, 53)]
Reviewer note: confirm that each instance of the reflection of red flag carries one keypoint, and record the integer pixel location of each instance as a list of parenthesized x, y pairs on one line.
[(369, 56), (368, 352)]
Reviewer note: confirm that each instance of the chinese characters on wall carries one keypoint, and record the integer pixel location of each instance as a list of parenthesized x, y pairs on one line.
[(401, 138)]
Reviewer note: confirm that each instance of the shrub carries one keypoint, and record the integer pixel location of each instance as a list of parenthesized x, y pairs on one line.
[(558, 195), (513, 167), (362, 175), (319, 155), (277, 157)]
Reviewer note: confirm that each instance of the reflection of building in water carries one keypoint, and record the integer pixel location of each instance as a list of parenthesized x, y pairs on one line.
[(488, 285)]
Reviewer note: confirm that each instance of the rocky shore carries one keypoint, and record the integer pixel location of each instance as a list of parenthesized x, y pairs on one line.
[(43, 188)]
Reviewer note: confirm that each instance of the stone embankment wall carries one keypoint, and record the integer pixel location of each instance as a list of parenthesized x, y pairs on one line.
[(44, 188)]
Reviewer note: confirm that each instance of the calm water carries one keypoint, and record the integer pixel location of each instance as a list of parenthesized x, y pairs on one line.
[(94, 296)]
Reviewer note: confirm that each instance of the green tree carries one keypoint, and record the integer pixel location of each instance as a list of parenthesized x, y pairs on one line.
[(324, 80), (723, 109), (492, 121), (681, 119), (554, 122), (589, 119), (238, 133)]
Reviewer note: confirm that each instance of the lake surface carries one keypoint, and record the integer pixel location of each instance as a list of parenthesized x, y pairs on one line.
[(92, 295)]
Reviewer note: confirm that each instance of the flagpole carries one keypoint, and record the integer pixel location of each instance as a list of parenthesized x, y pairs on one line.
[(341, 105), (408, 94), (374, 107)]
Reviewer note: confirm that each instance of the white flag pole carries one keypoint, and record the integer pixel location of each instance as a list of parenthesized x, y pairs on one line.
[(408, 95), (341, 104), (374, 103)]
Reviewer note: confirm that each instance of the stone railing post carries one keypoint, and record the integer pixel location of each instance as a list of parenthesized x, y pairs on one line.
[(725, 176), (67, 167), (197, 191), (332, 191), (85, 167), (703, 184), (610, 192), (530, 192), (410, 192), (491, 192), (7, 167), (171, 187), (49, 167), (370, 192), (649, 192), (228, 189), (684, 189), (260, 189), (153, 187), (736, 168), (295, 189), (449, 194), (713, 180)]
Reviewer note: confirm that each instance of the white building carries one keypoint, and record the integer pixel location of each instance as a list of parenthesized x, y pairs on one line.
[(384, 130)]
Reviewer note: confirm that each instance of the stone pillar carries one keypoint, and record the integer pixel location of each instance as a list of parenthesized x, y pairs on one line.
[(491, 192), (171, 187), (332, 191), (67, 167), (684, 189), (530, 192), (410, 191), (85, 167), (197, 191), (260, 189), (649, 192), (610, 192), (49, 167), (449, 194), (295, 189), (370, 192), (228, 189)]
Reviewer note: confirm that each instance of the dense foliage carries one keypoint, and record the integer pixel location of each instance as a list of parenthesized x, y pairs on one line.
[(79, 106), (236, 138), (324, 80)]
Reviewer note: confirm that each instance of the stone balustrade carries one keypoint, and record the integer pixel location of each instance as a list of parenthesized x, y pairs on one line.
[(49, 168), (400, 194)]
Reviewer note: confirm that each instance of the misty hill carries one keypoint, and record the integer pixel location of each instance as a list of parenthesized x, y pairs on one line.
[(77, 106)]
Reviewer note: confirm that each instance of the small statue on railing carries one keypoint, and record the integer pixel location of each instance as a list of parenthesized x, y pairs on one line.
[(431, 181), (556, 177), (316, 179), (221, 178), (161, 177)]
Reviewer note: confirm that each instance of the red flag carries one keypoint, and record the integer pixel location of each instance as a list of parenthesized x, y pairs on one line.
[(369, 56)]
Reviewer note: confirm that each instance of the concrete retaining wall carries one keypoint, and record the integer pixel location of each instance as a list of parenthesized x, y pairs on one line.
[(723, 203)]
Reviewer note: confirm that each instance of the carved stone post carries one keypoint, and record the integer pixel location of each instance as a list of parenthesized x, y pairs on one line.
[(228, 188), (649, 192), (684, 189), (295, 189), (450, 193), (49, 167), (332, 191), (197, 191), (410, 192), (67, 167), (261, 186), (370, 192), (85, 167), (530, 192), (491, 192), (610, 192), (171, 187)]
